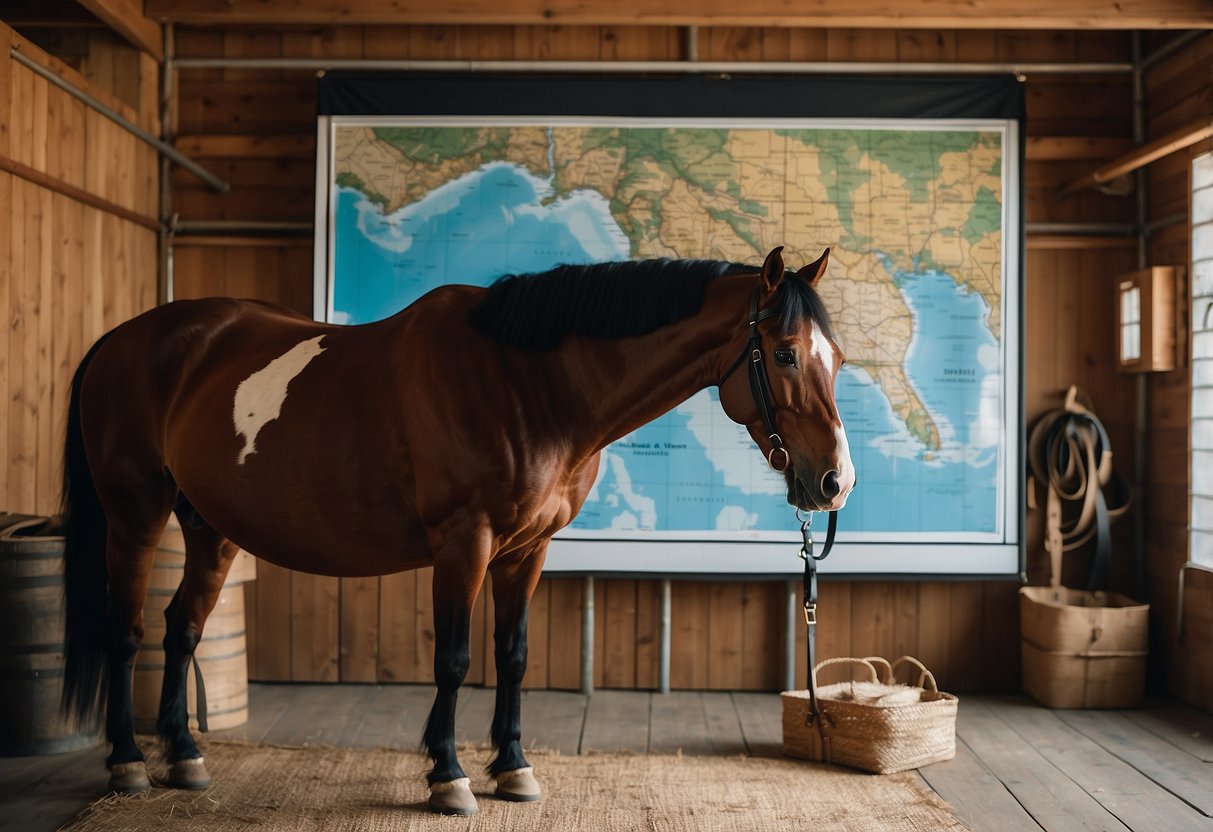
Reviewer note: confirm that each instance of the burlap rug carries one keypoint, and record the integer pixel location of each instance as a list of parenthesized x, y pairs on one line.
[(272, 789)]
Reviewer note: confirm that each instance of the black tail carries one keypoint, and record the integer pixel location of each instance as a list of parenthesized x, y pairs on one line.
[(84, 574)]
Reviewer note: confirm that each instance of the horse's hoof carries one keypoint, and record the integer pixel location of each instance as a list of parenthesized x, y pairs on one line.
[(453, 798), (188, 774), (129, 778), (519, 785)]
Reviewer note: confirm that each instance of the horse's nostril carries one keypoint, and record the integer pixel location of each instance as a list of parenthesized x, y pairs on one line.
[(829, 485)]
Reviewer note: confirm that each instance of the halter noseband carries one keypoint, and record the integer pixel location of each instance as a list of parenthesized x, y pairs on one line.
[(760, 387)]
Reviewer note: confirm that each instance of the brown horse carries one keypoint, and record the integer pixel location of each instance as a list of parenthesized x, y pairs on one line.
[(461, 434)]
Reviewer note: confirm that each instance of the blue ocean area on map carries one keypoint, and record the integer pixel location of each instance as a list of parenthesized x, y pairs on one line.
[(662, 476), (471, 230), (952, 357)]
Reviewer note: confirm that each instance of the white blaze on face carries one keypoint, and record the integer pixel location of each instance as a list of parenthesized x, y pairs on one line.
[(846, 468), (821, 349), (259, 397)]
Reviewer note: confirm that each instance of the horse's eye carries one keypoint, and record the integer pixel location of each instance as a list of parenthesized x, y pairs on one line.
[(785, 358)]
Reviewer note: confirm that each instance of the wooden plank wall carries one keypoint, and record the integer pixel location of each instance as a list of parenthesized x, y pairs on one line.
[(255, 129), (73, 264), (1178, 92)]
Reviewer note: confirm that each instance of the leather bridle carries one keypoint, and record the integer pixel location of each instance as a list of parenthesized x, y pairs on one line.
[(760, 386), (760, 389)]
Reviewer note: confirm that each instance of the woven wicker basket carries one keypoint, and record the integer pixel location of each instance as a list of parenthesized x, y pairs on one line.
[(875, 725)]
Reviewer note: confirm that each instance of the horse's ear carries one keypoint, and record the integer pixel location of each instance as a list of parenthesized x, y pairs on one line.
[(816, 269), (772, 271)]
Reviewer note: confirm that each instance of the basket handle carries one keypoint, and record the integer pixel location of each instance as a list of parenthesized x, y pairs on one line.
[(925, 677), (848, 660), (883, 668)]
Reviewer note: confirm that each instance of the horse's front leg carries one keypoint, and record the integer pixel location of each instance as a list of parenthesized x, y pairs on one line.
[(460, 562), (514, 581)]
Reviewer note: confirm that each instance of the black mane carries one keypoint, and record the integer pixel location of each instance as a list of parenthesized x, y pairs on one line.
[(615, 300), (800, 301)]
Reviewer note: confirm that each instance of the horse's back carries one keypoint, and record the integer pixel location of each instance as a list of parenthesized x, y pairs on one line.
[(251, 409), (331, 448)]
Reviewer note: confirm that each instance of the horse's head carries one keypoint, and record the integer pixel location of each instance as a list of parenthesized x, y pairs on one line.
[(787, 369)]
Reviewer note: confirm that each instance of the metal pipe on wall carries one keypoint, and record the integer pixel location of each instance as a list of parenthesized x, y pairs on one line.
[(123, 122), (691, 42), (791, 623), (667, 626), (587, 635), (182, 227)]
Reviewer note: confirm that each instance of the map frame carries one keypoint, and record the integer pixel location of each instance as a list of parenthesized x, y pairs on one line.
[(768, 553)]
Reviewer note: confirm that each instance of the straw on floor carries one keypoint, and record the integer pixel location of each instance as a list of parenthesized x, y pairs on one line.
[(270, 788)]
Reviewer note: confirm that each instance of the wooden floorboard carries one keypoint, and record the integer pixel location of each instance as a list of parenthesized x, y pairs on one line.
[(1054, 801), (553, 719), (394, 717), (617, 720), (1018, 767), (18, 773), (1181, 725), (976, 794), (1138, 802), (724, 726), (59, 796), (761, 720), (318, 716), (474, 718), (1157, 759), (678, 724), (267, 704)]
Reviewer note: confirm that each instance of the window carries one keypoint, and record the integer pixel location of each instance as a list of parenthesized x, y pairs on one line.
[(1130, 321), (1202, 360)]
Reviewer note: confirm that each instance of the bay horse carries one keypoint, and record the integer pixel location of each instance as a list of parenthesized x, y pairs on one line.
[(460, 433)]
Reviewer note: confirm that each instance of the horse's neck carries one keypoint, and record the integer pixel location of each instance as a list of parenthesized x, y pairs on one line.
[(620, 385)]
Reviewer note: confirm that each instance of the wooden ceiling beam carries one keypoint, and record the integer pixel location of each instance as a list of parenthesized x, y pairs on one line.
[(1185, 136), (126, 18), (901, 14)]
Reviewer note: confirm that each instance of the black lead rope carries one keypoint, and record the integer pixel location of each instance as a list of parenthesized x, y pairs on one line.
[(811, 559)]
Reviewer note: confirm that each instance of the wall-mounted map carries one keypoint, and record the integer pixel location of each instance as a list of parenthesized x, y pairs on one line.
[(919, 216)]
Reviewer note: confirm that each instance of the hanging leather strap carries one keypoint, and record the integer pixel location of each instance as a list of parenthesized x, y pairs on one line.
[(810, 601), (1069, 453), (202, 723)]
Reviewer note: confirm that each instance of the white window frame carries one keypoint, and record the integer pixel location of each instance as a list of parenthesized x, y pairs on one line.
[(1201, 474)]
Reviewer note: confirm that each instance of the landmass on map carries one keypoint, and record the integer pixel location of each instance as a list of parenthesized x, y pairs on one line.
[(885, 202)]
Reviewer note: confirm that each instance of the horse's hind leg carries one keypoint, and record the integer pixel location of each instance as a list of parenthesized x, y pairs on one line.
[(514, 581), (208, 556), (130, 552)]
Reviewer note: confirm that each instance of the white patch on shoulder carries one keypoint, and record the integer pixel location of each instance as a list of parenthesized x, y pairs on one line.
[(822, 350), (259, 397)]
